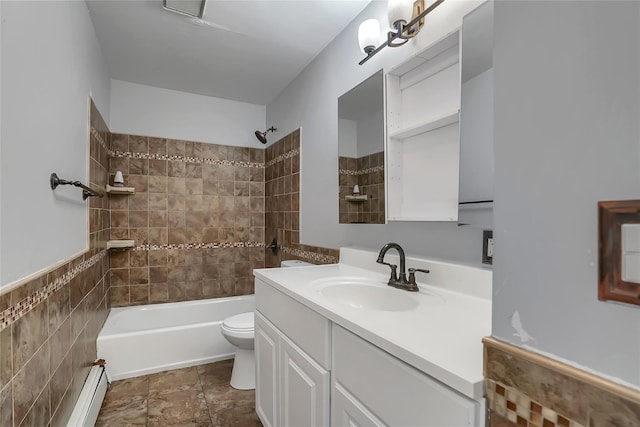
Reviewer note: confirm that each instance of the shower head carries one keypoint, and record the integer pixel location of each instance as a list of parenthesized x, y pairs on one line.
[(262, 136)]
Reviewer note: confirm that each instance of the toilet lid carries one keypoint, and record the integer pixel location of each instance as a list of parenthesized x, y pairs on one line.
[(240, 322)]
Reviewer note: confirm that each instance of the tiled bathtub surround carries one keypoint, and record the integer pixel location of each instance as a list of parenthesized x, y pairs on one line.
[(527, 389), (282, 188), (368, 173), (197, 219), (49, 325)]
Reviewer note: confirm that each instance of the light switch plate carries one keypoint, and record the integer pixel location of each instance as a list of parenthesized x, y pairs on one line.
[(487, 247), (630, 252)]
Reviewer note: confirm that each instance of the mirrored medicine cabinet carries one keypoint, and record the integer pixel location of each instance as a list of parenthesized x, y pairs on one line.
[(423, 103), (476, 119), (361, 134), (431, 117)]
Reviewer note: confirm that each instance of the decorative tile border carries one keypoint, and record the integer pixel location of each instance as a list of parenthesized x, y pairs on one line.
[(521, 410), (361, 172), (216, 245), (313, 256), (281, 157), (554, 391), (100, 140), (12, 314), (185, 159)]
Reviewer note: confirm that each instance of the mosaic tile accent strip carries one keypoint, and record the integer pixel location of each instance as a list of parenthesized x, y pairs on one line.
[(281, 157), (100, 140), (12, 314), (216, 245), (521, 410), (312, 256), (557, 391), (361, 172), (185, 159)]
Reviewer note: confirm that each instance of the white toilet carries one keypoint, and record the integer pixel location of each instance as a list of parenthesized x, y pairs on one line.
[(239, 331)]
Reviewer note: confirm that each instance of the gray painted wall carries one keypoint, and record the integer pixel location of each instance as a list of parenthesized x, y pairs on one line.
[(311, 102), (51, 64), (567, 109)]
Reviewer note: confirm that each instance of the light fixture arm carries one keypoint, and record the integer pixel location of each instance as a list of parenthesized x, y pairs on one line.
[(403, 31)]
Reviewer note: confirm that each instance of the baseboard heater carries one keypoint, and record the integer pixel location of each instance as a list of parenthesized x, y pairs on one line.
[(85, 413)]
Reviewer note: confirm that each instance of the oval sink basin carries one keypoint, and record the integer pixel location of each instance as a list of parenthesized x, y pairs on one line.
[(364, 295)]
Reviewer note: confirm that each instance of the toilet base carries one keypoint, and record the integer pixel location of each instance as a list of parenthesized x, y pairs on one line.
[(243, 375)]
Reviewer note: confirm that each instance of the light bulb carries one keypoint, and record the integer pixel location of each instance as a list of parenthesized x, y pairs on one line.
[(399, 10), (369, 35)]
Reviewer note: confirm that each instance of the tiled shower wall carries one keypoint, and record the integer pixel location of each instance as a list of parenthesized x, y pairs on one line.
[(368, 173), (197, 219), (282, 176), (49, 324), (199, 216)]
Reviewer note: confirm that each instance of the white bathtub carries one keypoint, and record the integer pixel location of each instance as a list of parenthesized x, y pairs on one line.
[(145, 339)]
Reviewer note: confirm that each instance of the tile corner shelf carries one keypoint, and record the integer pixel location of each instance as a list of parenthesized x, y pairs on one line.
[(360, 198), (120, 244), (120, 190)]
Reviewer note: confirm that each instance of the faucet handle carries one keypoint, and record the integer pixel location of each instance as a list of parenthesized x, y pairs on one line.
[(394, 270), (412, 275)]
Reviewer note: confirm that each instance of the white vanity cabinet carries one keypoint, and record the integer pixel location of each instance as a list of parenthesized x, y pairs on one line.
[(292, 361), (369, 387), (311, 371)]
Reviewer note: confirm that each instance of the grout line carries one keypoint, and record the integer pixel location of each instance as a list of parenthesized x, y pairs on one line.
[(204, 395), (148, 398)]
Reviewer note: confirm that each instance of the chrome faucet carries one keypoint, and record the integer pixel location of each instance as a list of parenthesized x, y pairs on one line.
[(400, 282)]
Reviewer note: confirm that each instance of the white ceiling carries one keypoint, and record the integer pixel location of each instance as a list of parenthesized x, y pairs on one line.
[(246, 51)]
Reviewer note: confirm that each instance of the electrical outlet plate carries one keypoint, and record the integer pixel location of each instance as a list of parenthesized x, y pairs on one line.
[(487, 247)]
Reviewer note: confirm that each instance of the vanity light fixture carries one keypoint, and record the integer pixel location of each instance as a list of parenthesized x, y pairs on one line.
[(406, 17), (193, 8)]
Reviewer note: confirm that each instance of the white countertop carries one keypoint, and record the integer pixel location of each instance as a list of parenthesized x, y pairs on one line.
[(441, 337)]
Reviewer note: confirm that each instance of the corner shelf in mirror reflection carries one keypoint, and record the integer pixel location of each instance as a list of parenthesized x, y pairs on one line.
[(120, 190), (359, 198), (426, 126), (120, 244)]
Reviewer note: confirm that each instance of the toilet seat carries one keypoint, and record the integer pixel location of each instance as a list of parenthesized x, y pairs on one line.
[(243, 322)]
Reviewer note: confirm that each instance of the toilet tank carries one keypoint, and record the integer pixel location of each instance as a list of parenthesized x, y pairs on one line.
[(294, 263)]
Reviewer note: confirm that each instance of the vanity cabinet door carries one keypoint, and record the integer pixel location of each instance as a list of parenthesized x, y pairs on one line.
[(394, 392), (266, 351), (292, 389), (346, 410), (304, 388)]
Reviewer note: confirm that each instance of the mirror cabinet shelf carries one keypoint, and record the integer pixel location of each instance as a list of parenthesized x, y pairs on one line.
[(426, 126), (423, 102)]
